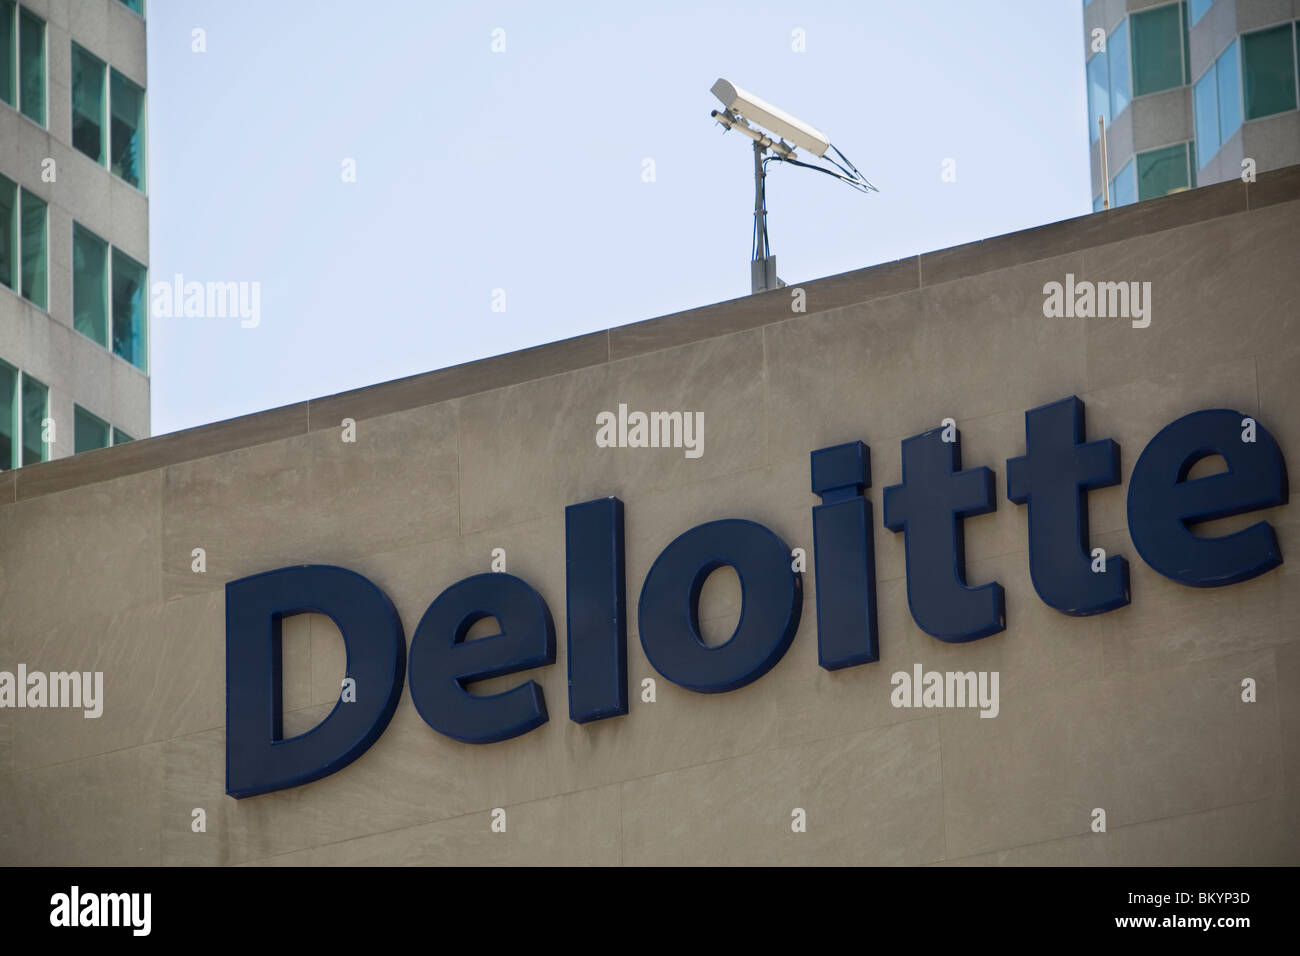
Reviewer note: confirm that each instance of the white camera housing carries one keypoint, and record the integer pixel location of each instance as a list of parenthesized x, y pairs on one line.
[(770, 118)]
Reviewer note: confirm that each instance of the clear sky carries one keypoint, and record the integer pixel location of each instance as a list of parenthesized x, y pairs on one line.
[(523, 170)]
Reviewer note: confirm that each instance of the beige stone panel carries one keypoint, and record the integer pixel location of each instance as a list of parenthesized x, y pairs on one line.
[(97, 545), (1226, 288), (1169, 625), (1142, 747), (126, 42), (530, 449), (312, 499), (98, 811), (872, 798), (163, 669), (571, 829), (896, 367), (1279, 405), (1287, 660), (410, 776), (1133, 413)]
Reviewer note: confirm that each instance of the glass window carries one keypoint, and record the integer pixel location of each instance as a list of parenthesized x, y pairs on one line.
[(1228, 68), (8, 233), (120, 437), (89, 284), (8, 416), (129, 319), (1096, 204), (88, 104), (126, 144), (1123, 188), (1117, 55), (1199, 9), (1268, 71), (8, 49), (36, 401), (31, 65), (1157, 49), (1098, 95), (136, 5), (1205, 102), (1162, 171), (89, 431), (33, 246), (1187, 46)]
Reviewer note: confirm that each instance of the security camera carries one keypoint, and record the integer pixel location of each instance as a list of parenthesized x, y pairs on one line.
[(770, 118)]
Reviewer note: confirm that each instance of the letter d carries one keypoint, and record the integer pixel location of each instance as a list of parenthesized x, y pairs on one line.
[(258, 759)]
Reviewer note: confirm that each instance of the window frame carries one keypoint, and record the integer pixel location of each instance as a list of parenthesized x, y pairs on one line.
[(44, 122), (1183, 53), (110, 248), (105, 110), (78, 410), (1202, 157), (1295, 70)]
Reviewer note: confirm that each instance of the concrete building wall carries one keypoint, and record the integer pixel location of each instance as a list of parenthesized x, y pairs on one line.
[(1137, 711), (44, 343)]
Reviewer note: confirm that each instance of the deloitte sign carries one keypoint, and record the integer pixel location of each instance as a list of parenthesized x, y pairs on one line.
[(928, 507)]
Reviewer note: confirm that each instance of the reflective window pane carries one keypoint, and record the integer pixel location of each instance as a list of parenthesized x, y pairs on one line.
[(120, 437), (1117, 54), (89, 431), (8, 53), (129, 319), (90, 285), (1123, 188), (33, 245), (1268, 71), (36, 401), (136, 5), (1098, 95), (8, 415), (126, 144), (8, 233), (1228, 70), (88, 104), (1205, 103), (1162, 171), (1198, 9), (1157, 49), (31, 65)]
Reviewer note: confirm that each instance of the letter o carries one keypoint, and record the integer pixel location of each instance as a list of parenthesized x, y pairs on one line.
[(771, 602)]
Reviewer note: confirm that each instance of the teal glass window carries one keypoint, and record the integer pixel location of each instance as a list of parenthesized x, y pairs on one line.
[(129, 315), (136, 5), (1117, 55), (1198, 9), (1157, 49), (1228, 68), (120, 437), (8, 416), (8, 53), (1162, 171), (1123, 188), (1187, 46), (8, 233), (1098, 95), (126, 139), (88, 431), (88, 77), (89, 284), (34, 249), (31, 65), (1268, 71), (36, 403)]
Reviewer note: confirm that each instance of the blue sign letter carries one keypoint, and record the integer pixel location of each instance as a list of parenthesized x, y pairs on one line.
[(1162, 502), (596, 605), (1053, 478), (443, 662), (845, 554), (929, 508), (772, 598), (258, 760)]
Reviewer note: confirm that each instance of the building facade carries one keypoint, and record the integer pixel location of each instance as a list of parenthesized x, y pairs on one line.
[(1190, 91), (1159, 725), (74, 228)]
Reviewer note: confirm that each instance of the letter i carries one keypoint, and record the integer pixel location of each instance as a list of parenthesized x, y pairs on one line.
[(597, 609), (844, 555)]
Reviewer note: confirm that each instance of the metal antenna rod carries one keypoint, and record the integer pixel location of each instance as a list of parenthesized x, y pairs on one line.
[(762, 270)]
